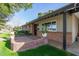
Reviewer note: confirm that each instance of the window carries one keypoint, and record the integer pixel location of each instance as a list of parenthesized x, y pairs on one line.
[(38, 27), (51, 26), (44, 27)]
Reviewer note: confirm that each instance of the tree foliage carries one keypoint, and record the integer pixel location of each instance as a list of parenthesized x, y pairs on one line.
[(42, 14), (7, 9), (17, 28)]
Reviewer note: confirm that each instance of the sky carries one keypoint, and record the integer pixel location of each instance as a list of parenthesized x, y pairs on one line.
[(21, 17)]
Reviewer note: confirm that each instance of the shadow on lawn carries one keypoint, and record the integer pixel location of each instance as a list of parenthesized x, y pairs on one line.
[(8, 44)]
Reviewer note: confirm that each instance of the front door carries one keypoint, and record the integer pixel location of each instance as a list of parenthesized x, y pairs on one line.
[(35, 29)]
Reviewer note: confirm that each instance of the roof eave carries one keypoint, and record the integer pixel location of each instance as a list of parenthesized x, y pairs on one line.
[(58, 11)]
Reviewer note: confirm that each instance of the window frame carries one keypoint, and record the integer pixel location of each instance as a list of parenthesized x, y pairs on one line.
[(56, 27)]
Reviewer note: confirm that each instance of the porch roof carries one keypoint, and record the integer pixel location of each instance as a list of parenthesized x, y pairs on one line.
[(68, 8)]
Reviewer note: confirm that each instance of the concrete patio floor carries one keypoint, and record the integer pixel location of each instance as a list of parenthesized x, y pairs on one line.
[(25, 38), (74, 48)]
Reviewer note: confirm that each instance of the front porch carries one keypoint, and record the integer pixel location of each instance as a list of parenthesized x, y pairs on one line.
[(75, 35)]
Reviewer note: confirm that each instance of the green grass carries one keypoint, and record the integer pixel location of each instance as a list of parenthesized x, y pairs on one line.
[(45, 50), (22, 33), (5, 46), (5, 51), (5, 35)]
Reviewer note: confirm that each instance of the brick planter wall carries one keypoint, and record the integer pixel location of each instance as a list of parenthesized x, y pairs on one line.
[(22, 46)]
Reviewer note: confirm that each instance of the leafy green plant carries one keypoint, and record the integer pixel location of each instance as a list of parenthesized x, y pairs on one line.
[(44, 28), (22, 33)]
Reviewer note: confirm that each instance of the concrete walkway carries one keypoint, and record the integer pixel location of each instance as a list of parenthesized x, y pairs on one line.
[(74, 49)]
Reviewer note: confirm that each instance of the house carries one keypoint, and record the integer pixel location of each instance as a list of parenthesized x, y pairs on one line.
[(27, 27), (24, 27), (62, 26)]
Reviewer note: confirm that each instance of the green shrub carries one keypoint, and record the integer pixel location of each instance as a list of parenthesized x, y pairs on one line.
[(22, 32)]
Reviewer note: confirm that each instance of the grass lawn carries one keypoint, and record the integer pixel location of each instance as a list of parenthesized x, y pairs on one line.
[(5, 35), (45, 50), (5, 46), (5, 51)]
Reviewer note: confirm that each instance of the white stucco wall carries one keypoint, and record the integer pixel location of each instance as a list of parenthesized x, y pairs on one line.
[(74, 28)]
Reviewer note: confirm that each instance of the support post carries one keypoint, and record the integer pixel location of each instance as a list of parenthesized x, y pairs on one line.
[(64, 31)]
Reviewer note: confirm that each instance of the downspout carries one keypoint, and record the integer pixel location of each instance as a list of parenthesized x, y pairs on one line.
[(64, 31)]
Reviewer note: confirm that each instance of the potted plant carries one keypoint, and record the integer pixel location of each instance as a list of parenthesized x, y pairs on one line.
[(44, 31)]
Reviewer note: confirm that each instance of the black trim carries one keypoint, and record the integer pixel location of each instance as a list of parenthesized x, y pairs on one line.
[(64, 31)]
